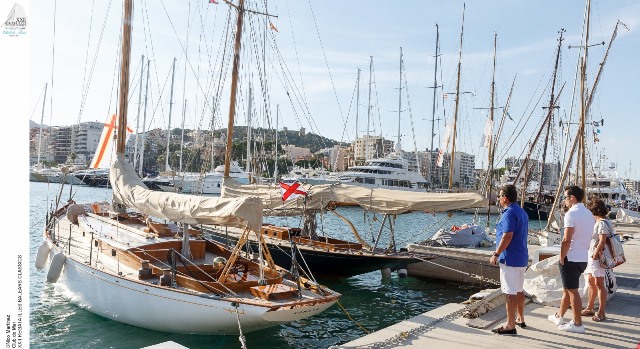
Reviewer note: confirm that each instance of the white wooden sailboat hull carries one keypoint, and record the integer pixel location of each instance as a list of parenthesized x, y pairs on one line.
[(163, 309)]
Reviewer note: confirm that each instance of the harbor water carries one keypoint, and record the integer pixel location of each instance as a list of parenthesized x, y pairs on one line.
[(368, 301)]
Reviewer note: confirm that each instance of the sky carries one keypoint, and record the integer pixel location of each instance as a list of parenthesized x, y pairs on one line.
[(312, 59)]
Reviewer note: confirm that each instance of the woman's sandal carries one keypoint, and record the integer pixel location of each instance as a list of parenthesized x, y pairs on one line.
[(598, 318), (588, 312), (502, 330)]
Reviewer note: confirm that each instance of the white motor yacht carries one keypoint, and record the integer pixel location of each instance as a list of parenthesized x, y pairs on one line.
[(391, 172), (605, 183)]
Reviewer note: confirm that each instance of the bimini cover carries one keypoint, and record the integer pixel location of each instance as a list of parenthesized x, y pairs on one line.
[(128, 190), (377, 199)]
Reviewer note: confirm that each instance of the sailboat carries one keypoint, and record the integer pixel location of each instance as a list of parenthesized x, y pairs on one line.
[(302, 249), (537, 203), (305, 249), (551, 235), (466, 234), (490, 142), (143, 260)]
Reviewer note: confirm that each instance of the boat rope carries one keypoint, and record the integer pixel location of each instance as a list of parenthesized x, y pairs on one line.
[(354, 230), (472, 275), (242, 338), (405, 336), (350, 318)]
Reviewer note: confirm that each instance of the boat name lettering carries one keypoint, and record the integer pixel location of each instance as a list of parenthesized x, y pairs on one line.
[(306, 311)]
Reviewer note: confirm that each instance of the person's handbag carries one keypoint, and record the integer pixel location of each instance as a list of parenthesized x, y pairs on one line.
[(613, 254)]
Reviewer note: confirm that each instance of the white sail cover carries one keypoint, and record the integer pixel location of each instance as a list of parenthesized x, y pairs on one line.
[(378, 199), (542, 283), (128, 190), (627, 216)]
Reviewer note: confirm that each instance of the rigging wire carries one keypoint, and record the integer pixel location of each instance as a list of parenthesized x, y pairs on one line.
[(36, 104), (326, 62), (413, 133), (344, 128), (53, 59)]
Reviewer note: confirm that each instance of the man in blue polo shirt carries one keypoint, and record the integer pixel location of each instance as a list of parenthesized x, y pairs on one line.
[(513, 257)]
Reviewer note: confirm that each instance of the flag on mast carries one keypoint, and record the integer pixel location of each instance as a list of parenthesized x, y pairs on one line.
[(291, 191), (445, 143), (106, 152), (488, 133)]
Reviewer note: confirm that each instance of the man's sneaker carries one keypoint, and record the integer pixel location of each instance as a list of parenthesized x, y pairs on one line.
[(571, 327), (555, 319)]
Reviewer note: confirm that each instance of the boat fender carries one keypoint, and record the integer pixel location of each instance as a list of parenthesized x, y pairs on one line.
[(74, 211), (42, 255), (386, 273), (55, 268), (402, 273)]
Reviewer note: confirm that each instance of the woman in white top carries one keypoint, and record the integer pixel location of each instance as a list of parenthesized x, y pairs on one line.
[(601, 230)]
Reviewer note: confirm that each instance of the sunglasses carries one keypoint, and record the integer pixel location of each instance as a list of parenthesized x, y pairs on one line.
[(564, 197)]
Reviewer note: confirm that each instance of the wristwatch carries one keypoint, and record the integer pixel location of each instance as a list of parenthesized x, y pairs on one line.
[(496, 254)]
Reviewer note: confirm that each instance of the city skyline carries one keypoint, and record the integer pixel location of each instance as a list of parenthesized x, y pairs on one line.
[(324, 45)]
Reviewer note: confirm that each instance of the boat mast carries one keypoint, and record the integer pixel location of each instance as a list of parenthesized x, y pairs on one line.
[(184, 111), (366, 143), (433, 114), (547, 120), (213, 132), (144, 123), (399, 102), (455, 114), (135, 147), (184, 87), (275, 170), (583, 100), (490, 150), (166, 166), (248, 165), (587, 105), (123, 92), (552, 106), (44, 101), (357, 101), (234, 88)]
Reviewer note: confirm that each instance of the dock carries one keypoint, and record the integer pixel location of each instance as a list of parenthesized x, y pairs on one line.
[(446, 327)]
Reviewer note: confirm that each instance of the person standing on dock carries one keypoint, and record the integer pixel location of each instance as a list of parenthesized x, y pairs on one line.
[(574, 254), (513, 257), (595, 272)]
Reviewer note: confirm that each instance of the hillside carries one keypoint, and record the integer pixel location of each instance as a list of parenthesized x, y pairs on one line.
[(309, 140)]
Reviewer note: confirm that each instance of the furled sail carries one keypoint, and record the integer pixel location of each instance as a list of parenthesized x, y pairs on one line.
[(377, 199), (128, 190)]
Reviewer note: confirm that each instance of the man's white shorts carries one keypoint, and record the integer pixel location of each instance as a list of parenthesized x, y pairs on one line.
[(511, 279)]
